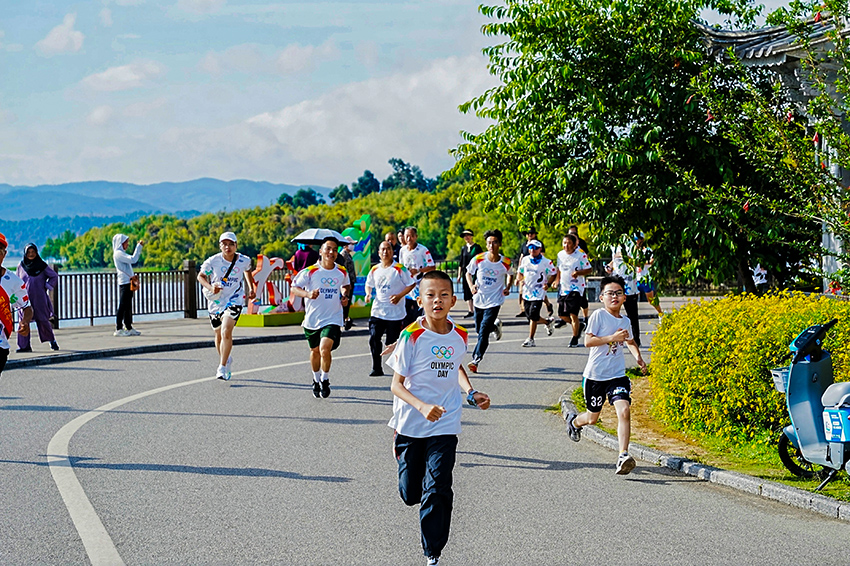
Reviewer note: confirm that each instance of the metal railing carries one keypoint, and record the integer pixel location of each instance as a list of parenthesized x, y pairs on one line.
[(91, 296)]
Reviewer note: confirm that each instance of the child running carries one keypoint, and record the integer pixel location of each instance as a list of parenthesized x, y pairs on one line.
[(324, 287), (605, 372), (221, 276), (427, 409)]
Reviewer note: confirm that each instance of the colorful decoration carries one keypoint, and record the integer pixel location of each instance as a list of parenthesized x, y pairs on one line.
[(361, 233), (265, 267)]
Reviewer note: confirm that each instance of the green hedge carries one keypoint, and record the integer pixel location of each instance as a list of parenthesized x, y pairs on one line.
[(711, 361)]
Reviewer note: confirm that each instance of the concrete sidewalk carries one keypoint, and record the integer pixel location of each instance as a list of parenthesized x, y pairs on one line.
[(88, 342)]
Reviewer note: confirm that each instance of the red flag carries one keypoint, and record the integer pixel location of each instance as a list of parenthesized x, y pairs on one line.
[(818, 17), (816, 139), (747, 206), (6, 320)]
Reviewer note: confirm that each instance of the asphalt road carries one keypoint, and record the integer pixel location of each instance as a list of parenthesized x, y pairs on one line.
[(256, 470)]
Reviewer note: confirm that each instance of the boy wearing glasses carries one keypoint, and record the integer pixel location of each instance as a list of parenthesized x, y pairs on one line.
[(605, 373)]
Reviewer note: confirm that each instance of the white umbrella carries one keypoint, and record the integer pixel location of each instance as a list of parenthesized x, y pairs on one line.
[(318, 235)]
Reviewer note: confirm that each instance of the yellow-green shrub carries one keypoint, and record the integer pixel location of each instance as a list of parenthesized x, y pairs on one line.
[(711, 360)]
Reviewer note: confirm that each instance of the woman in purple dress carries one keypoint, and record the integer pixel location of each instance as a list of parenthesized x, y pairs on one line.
[(38, 278)]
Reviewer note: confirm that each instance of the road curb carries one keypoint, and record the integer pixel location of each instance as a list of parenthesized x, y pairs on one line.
[(775, 491)]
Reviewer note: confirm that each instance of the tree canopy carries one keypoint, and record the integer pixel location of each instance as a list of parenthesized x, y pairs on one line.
[(595, 121)]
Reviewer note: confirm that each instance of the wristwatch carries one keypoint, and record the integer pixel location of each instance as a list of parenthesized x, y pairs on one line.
[(470, 398)]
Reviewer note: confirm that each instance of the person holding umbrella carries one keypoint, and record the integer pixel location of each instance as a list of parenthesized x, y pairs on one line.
[(39, 279), (324, 287)]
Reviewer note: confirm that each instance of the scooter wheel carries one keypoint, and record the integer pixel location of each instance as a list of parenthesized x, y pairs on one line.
[(793, 459)]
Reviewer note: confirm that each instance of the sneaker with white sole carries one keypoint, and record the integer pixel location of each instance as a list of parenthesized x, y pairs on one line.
[(317, 389), (550, 326), (528, 343), (221, 372), (473, 366), (433, 561), (497, 330), (133, 332), (574, 342), (121, 332), (625, 464), (573, 430)]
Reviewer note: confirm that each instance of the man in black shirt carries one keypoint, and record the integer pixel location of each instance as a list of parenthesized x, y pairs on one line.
[(467, 252)]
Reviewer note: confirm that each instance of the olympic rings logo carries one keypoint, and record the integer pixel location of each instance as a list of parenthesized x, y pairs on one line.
[(489, 272), (333, 281), (443, 352)]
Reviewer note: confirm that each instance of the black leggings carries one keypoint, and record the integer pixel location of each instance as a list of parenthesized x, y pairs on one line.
[(631, 308), (4, 355), (125, 307)]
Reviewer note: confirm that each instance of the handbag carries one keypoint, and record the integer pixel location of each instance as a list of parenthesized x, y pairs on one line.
[(134, 283)]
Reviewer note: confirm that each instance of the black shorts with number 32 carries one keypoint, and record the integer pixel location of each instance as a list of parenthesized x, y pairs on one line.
[(595, 392)]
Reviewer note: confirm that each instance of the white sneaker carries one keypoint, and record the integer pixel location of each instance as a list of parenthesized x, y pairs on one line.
[(550, 326), (133, 332), (221, 372), (625, 464), (529, 343), (498, 329), (121, 332), (433, 561)]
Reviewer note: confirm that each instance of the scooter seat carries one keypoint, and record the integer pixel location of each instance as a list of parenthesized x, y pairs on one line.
[(837, 395)]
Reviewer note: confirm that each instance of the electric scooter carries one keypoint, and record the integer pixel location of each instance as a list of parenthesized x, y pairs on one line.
[(819, 433)]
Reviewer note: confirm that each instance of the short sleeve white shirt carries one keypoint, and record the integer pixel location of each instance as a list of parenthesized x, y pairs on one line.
[(13, 296), (567, 265), (607, 361), (325, 309), (232, 290), (386, 282), (429, 363), (417, 258), (535, 277), (624, 270), (490, 279)]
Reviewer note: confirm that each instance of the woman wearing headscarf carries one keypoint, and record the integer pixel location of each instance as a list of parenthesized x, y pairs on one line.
[(38, 279), (124, 266)]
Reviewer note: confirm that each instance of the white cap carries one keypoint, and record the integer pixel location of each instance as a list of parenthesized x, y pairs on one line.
[(535, 244), (228, 236)]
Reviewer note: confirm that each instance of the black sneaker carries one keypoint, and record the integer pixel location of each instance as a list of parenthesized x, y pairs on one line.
[(574, 342), (348, 324), (469, 315), (317, 389), (54, 345), (560, 323), (581, 326), (24, 350), (572, 430), (326, 388), (376, 373)]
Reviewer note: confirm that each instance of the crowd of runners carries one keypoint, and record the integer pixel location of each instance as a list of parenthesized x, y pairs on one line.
[(410, 323), (411, 326)]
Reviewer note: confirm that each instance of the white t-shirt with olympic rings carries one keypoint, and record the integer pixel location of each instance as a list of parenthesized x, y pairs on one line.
[(325, 309), (429, 363)]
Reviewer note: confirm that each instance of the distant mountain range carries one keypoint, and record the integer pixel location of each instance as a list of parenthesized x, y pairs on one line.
[(105, 198)]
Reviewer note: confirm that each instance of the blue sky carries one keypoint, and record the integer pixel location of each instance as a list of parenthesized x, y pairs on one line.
[(290, 91)]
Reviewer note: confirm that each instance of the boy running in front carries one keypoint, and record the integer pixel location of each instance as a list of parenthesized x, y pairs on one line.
[(429, 385), (324, 287), (605, 372), (221, 276)]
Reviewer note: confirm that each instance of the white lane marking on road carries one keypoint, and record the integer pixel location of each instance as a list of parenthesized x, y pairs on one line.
[(97, 542)]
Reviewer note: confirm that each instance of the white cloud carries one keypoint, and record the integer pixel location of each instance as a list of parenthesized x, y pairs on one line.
[(357, 126), (61, 39), (129, 2), (250, 58), (136, 74), (201, 6), (100, 115), (295, 57), (106, 17)]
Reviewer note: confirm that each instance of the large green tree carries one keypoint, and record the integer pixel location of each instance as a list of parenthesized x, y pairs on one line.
[(594, 122)]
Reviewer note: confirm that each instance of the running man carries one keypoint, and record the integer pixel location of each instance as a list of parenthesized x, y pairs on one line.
[(582, 245), (645, 284), (418, 261), (324, 287), (535, 275), (221, 277), (391, 282), (489, 278), (573, 265)]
